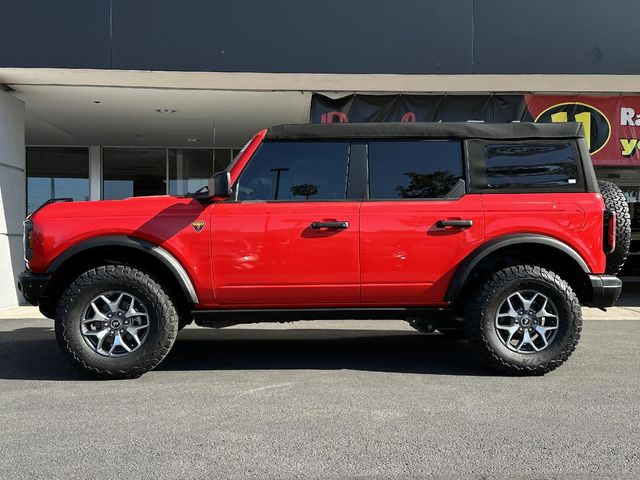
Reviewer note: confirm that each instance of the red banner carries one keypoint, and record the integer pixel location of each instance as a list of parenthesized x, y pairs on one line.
[(611, 123)]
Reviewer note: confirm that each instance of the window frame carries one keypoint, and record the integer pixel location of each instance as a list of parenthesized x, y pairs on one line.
[(464, 165), (478, 167), (349, 178)]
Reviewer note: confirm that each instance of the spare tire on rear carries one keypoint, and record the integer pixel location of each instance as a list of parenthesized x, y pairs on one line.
[(615, 201)]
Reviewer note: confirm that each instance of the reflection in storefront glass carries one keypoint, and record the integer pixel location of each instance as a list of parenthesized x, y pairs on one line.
[(56, 172), (190, 169)]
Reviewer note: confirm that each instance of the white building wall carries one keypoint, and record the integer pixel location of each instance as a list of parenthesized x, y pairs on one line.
[(12, 197)]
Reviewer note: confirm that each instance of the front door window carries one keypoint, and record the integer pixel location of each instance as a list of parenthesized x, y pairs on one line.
[(296, 171)]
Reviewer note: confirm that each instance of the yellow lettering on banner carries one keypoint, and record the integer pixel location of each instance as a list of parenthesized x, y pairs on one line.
[(628, 145), (585, 119)]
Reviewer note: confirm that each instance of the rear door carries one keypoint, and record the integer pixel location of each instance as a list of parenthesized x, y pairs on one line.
[(417, 224), (291, 238)]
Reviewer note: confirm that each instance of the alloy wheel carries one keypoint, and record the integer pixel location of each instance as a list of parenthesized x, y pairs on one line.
[(527, 321), (115, 323)]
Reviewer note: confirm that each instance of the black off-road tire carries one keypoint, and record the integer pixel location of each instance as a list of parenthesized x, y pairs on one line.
[(163, 322), (480, 317), (615, 201)]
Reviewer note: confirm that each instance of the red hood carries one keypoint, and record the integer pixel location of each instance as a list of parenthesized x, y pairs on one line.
[(161, 220), (129, 207)]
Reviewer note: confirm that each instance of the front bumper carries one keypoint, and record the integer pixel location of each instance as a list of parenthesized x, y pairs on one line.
[(606, 290), (33, 285)]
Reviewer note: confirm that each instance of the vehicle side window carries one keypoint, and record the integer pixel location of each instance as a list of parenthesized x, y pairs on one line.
[(296, 171), (530, 165), (414, 169)]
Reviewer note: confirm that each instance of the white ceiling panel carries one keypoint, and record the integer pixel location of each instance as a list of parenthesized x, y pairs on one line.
[(124, 116)]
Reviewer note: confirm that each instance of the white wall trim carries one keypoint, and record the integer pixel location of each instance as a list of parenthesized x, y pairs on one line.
[(339, 83)]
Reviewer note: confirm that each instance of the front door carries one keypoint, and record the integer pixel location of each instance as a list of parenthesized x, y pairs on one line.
[(291, 238), (417, 224)]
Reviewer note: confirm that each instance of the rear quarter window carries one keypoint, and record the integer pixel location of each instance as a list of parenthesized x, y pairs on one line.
[(526, 166)]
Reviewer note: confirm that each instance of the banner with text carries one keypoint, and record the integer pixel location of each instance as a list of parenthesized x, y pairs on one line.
[(611, 123)]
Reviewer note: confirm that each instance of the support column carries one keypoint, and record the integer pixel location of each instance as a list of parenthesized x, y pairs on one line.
[(12, 197), (95, 172)]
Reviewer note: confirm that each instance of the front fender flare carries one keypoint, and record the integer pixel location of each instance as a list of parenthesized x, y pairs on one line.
[(168, 260)]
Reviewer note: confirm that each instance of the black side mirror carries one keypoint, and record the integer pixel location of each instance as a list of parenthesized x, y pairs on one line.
[(220, 185)]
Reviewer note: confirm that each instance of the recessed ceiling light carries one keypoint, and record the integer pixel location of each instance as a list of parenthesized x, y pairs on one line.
[(192, 139), (166, 110)]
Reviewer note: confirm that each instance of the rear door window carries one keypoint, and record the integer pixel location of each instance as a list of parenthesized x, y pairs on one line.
[(414, 169), (296, 171), (531, 165)]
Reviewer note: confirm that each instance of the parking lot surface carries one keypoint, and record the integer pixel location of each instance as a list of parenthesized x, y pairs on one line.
[(321, 400)]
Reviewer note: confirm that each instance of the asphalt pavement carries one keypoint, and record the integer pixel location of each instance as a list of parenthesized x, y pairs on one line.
[(321, 400)]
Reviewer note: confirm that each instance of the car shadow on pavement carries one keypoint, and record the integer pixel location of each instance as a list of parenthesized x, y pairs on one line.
[(323, 349), (630, 296), (33, 354)]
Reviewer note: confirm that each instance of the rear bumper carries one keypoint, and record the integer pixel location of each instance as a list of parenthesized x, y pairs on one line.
[(33, 285), (606, 290)]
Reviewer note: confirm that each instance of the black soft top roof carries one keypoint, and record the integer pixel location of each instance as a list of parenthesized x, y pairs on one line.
[(490, 131)]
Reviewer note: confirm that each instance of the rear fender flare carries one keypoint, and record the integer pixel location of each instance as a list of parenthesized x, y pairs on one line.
[(474, 258)]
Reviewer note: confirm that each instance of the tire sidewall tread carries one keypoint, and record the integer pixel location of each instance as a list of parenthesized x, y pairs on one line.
[(480, 316), (160, 338)]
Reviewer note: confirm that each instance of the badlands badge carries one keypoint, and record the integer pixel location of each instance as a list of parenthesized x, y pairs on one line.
[(198, 225)]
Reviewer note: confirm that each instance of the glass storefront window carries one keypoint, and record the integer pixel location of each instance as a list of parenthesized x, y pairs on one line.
[(133, 172), (190, 169), (56, 172)]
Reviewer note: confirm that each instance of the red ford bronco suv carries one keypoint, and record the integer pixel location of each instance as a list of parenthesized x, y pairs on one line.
[(495, 231)]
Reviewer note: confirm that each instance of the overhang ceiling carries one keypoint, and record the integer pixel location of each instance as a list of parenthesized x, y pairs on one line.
[(124, 116)]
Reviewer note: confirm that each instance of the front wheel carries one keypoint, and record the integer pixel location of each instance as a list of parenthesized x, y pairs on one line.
[(524, 320), (115, 322)]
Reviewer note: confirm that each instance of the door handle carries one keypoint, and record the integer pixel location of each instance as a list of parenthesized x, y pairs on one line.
[(331, 225), (454, 223)]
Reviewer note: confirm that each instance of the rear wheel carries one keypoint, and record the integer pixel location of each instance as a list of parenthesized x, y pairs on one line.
[(115, 322), (524, 320)]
